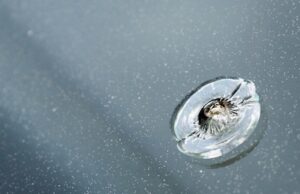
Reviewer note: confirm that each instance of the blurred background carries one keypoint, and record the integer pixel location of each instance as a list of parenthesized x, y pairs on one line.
[(88, 88)]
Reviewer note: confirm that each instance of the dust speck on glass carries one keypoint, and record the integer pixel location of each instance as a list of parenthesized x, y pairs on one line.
[(216, 118)]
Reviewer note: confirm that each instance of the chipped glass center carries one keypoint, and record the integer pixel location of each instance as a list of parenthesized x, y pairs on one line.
[(216, 118)]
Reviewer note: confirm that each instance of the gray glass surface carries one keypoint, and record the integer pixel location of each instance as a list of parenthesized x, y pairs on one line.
[(88, 88)]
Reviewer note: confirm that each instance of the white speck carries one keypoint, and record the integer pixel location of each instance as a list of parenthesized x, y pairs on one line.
[(29, 33), (130, 116), (298, 136), (54, 109)]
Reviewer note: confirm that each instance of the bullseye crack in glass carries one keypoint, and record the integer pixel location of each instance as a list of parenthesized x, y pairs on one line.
[(216, 118)]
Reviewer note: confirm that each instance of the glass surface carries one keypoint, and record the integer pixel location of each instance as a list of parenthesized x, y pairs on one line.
[(88, 88)]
